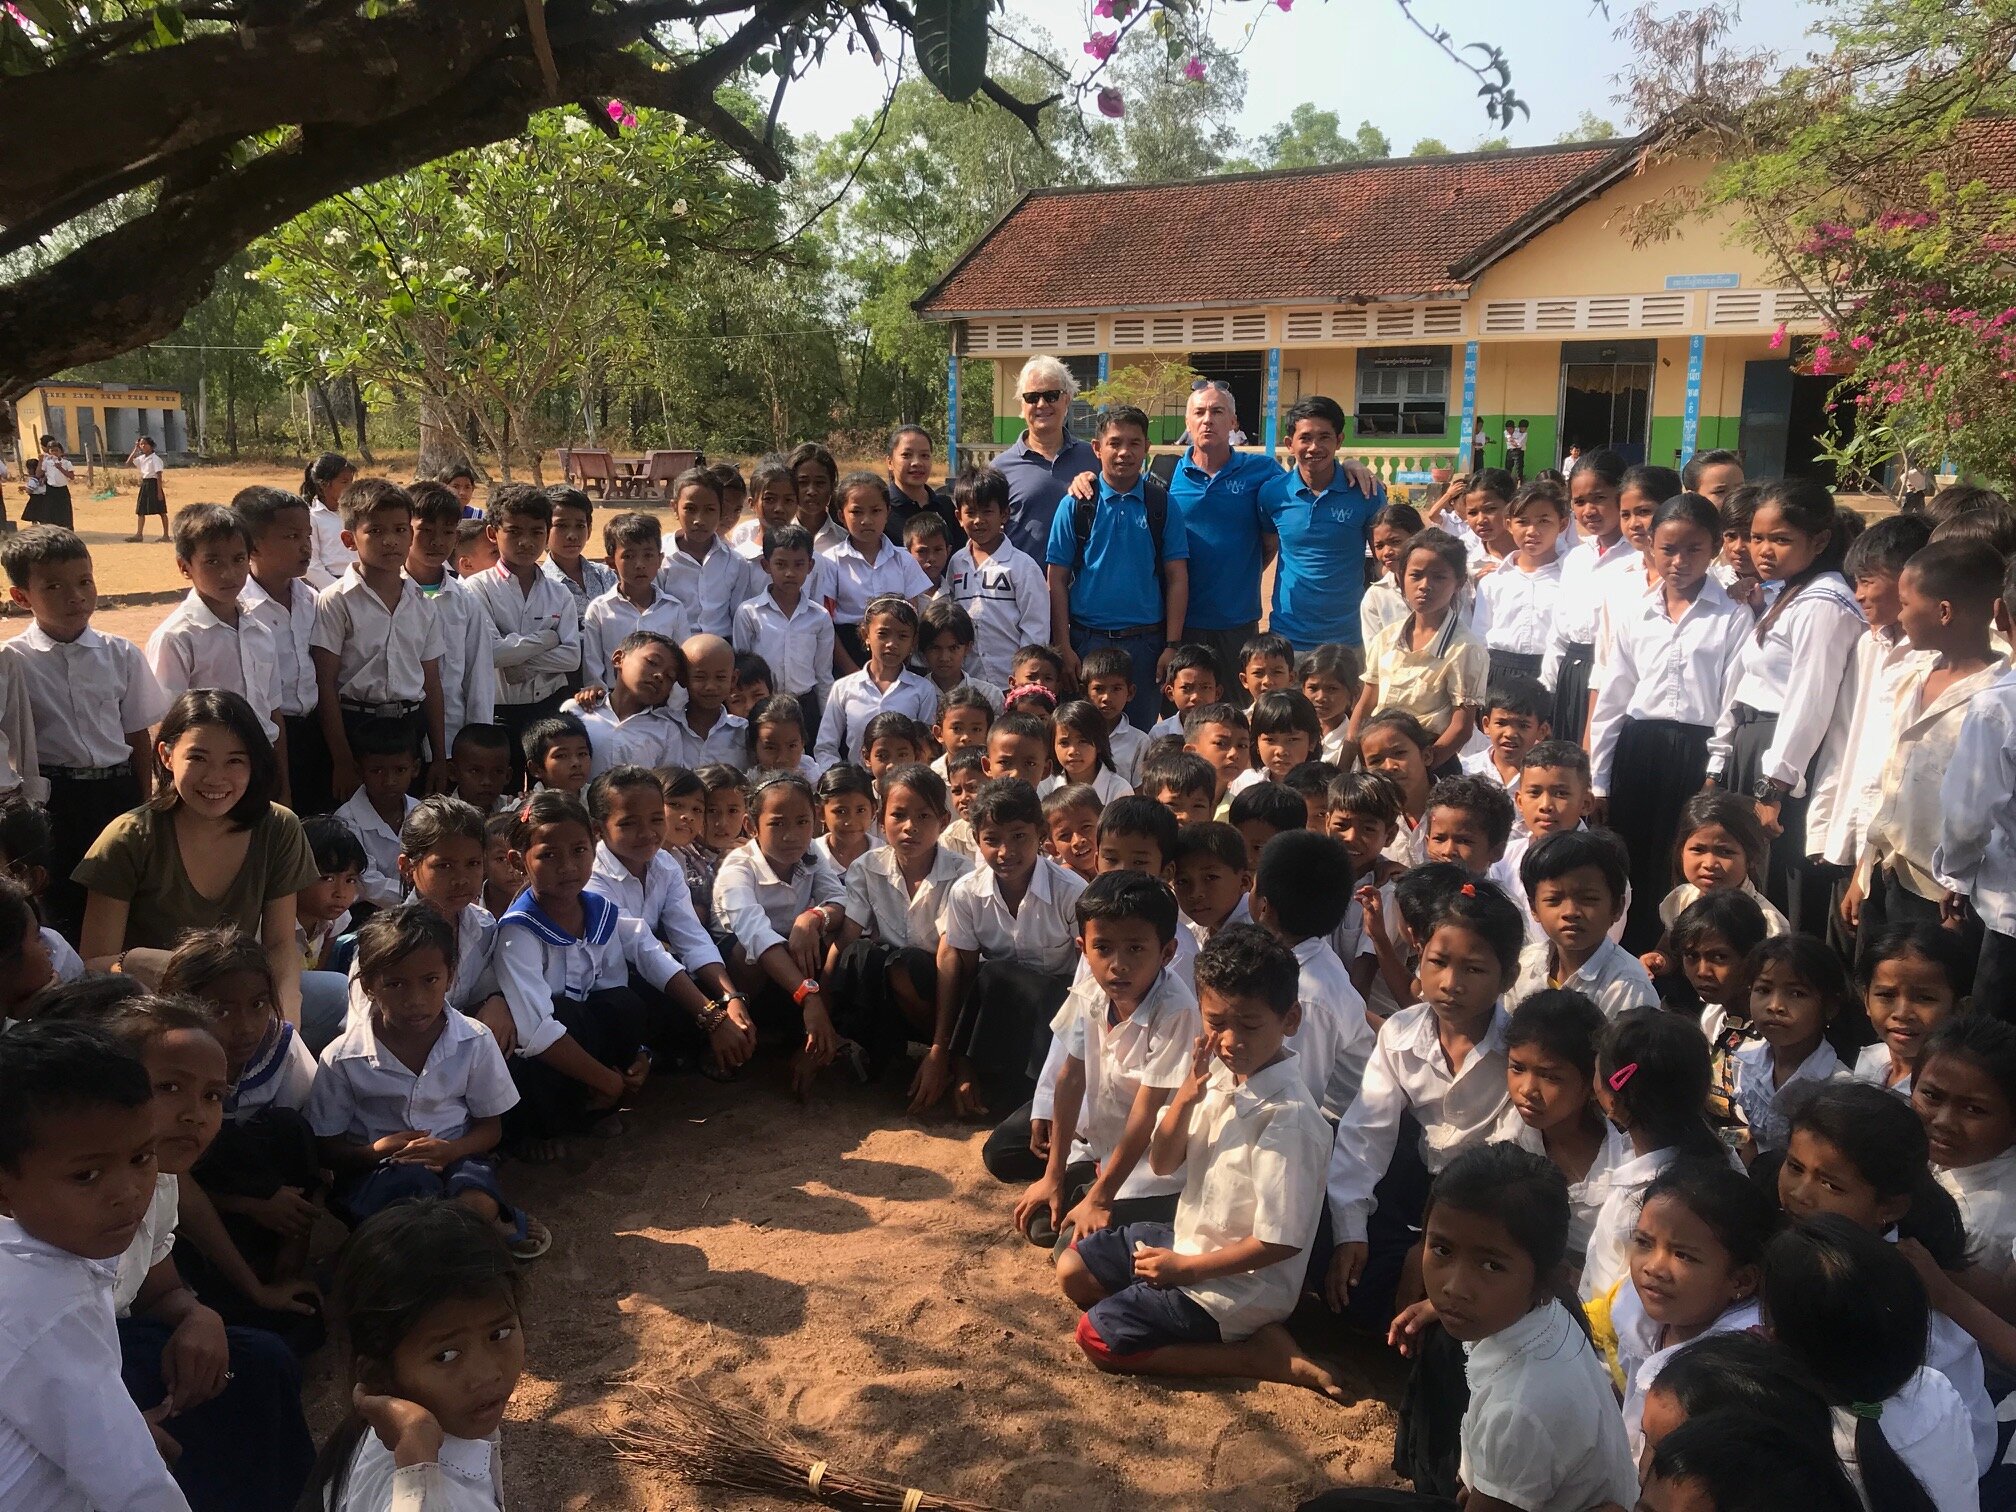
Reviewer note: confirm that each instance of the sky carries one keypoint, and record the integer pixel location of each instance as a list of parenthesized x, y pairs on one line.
[(1364, 60)]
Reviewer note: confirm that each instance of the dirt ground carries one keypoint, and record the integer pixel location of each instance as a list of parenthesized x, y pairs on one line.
[(852, 1274)]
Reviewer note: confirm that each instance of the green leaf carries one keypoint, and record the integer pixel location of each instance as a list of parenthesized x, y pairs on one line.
[(951, 41)]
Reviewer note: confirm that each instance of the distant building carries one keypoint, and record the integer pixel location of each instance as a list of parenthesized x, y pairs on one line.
[(103, 418), (1433, 298)]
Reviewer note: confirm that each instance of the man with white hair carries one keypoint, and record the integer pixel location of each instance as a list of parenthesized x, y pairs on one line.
[(1041, 465)]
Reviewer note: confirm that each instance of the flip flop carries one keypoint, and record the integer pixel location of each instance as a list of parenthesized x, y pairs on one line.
[(532, 1240)]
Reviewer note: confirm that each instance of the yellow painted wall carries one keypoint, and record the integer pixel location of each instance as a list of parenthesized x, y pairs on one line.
[(1589, 252)]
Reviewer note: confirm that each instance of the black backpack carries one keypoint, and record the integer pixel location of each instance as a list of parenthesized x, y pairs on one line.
[(1153, 495)]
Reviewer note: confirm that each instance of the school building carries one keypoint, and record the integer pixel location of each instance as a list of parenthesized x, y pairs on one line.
[(102, 419), (1429, 297)]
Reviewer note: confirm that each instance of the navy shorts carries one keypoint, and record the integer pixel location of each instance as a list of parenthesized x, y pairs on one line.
[(1135, 1317), (389, 1182)]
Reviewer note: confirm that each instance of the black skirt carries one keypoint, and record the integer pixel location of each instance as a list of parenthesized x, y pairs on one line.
[(1513, 664), (49, 507), (1571, 693), (151, 499), (1789, 880), (1659, 765)]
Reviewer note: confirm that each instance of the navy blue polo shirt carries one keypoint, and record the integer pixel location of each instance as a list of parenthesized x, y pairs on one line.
[(1036, 483), (1116, 588), (1320, 576), (1221, 511)]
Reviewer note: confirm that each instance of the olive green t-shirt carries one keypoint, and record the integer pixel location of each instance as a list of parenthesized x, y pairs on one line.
[(137, 860)]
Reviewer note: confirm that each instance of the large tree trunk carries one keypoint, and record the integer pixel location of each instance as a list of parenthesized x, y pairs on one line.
[(440, 447), (357, 419)]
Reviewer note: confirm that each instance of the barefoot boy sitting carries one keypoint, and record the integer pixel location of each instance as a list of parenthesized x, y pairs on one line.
[(1207, 1297)]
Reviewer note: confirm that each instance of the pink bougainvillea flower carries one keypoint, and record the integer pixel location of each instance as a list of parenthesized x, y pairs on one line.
[(1110, 103), (1194, 69), (1101, 44), (1778, 336), (1285, 4), (1103, 10), (621, 114)]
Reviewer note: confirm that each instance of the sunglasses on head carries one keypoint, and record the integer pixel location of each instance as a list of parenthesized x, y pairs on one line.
[(1042, 396)]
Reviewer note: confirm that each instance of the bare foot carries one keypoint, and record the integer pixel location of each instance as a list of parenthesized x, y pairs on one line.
[(542, 1151), (1285, 1361)]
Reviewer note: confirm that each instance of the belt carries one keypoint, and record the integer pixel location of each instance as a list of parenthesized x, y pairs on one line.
[(394, 710), (1132, 632), (88, 774)]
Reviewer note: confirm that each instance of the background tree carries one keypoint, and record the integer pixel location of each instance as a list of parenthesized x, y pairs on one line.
[(1588, 127), (1311, 138), (1181, 113)]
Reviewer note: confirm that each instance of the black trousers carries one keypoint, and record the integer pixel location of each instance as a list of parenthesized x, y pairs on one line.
[(611, 1025), (1004, 1027), (518, 718), (308, 767), (1224, 648), (79, 809), (865, 1011), (1659, 765), (1995, 976), (1890, 902)]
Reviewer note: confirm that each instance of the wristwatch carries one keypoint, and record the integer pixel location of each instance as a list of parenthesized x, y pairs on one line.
[(804, 990), (1769, 790)]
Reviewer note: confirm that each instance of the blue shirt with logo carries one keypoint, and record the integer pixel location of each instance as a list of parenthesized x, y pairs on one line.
[(1221, 511), (1320, 576), (1116, 587)]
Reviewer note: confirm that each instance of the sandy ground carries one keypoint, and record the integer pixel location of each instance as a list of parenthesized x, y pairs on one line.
[(852, 1274)]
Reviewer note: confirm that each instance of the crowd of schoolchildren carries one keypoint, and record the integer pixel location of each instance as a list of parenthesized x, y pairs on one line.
[(1597, 988)]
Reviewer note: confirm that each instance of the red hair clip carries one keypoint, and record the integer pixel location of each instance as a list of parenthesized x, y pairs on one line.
[(1622, 1075), (1469, 889)]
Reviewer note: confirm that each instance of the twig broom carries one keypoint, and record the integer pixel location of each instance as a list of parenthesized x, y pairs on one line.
[(706, 1443)]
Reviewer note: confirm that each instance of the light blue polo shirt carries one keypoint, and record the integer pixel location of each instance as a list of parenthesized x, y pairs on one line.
[(1320, 576), (1221, 511), (1117, 588)]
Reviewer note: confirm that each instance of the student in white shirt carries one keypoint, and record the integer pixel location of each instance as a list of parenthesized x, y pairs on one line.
[(1575, 883), (322, 485), (1392, 528), (70, 1435), (1541, 1427), (783, 906), (537, 620), (427, 1436), (380, 805), (153, 498), (1976, 856), (1001, 588), (278, 597), (468, 639), (208, 640), (885, 683), (1787, 683), (1848, 1307), (1206, 1295), (1443, 1061), (1334, 1040), (882, 968), (1594, 489), (787, 626), (705, 733), (1965, 1094), (566, 539), (1668, 673), (1126, 1036), (1514, 611), (635, 601), (710, 581), (82, 739), (633, 725), (868, 566), (1797, 989)]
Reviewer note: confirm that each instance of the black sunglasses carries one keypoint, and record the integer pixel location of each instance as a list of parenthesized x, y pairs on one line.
[(1043, 396)]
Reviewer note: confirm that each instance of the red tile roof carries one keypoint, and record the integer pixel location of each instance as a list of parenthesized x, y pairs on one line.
[(1389, 229)]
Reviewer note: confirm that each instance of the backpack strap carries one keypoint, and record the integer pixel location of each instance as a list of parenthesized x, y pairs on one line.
[(1154, 499)]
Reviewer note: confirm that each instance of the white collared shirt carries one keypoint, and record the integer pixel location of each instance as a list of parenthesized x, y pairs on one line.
[(1334, 1039), (1658, 668), (1640, 1356), (475, 966), (279, 1074), (1905, 830), (1796, 674), (328, 557), (1042, 934), (882, 904), (193, 648), (1242, 913), (1129, 747), (1687, 894), (610, 619), (292, 625), (1873, 1065), (1151, 1047), (798, 645), (1515, 608), (1542, 1428), (1976, 855), (1986, 1194), (661, 900), (1381, 606), (647, 738), (1252, 1169), (465, 1475), (1766, 1108), (1408, 1073), (381, 882), (1585, 1197), (1611, 978), (713, 587), (1847, 786), (1106, 782), (1926, 1423), (538, 633), (1622, 1191), (597, 578), (857, 698), (758, 906), (535, 967), (468, 657), (71, 1438), (726, 740), (1578, 614), (86, 695), (381, 651), (364, 1092), (857, 582), (1008, 599)]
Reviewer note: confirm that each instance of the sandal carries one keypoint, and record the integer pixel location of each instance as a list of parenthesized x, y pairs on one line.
[(530, 1239)]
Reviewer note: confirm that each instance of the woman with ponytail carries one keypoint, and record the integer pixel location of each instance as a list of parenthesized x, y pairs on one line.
[(1786, 683), (1849, 1308), (322, 484)]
